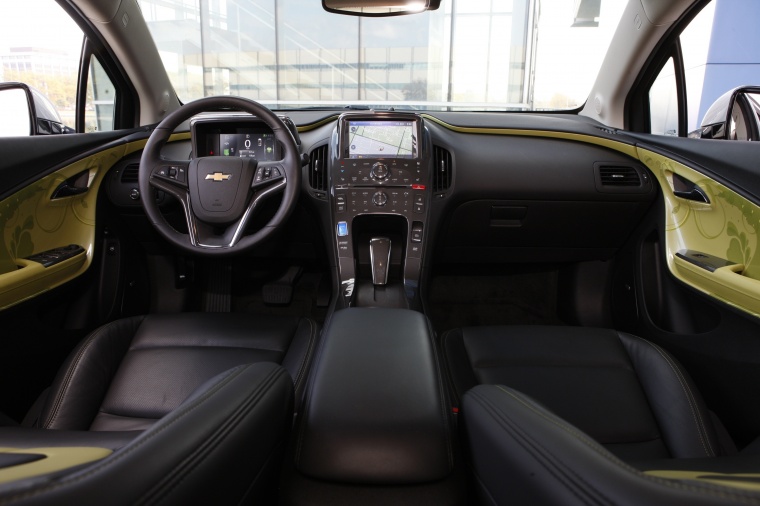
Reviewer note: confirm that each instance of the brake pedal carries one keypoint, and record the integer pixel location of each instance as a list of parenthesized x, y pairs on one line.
[(280, 292)]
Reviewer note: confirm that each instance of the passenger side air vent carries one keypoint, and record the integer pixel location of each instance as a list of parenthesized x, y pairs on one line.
[(318, 162), (129, 174), (442, 170), (621, 178)]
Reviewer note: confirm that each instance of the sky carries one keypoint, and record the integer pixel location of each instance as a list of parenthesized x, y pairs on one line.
[(20, 27)]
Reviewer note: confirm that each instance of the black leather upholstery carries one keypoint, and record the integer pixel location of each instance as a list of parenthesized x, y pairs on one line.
[(625, 392), (375, 412), (524, 454), (219, 446), (570, 415), (196, 406), (129, 373)]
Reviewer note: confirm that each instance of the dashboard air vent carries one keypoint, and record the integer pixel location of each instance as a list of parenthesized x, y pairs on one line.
[(442, 169), (318, 168), (129, 174), (619, 176)]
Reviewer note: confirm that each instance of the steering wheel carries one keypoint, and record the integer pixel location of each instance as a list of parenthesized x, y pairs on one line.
[(218, 194)]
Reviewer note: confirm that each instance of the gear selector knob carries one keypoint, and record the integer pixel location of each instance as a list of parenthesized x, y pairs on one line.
[(380, 257)]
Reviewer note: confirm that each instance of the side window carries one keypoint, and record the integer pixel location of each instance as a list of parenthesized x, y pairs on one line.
[(43, 52), (709, 87), (663, 102), (703, 79), (101, 97)]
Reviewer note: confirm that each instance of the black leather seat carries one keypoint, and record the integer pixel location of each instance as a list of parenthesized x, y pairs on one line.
[(192, 406), (569, 415)]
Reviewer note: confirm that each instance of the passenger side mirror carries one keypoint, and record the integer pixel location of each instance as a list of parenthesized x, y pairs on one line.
[(734, 116), (25, 111), (377, 8), (15, 109)]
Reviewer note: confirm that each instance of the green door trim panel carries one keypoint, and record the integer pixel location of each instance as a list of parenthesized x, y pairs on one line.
[(32, 222), (725, 227)]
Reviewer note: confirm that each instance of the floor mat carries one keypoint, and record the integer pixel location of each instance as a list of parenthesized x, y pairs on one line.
[(247, 295)]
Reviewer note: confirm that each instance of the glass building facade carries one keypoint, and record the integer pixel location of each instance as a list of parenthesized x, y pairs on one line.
[(292, 53)]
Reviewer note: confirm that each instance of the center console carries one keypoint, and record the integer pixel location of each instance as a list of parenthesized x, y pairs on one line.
[(379, 173)]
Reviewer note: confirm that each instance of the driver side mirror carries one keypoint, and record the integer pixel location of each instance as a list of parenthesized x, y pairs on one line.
[(734, 116), (25, 111)]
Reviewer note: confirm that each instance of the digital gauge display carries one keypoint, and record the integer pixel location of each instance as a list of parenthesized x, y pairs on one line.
[(261, 146), (244, 139)]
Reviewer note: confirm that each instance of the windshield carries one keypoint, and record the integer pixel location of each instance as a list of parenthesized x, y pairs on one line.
[(467, 55)]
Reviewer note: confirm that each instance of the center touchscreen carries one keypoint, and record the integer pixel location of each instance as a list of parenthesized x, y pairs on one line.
[(382, 139)]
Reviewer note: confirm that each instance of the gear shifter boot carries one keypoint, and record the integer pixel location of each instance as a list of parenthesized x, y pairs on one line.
[(380, 257)]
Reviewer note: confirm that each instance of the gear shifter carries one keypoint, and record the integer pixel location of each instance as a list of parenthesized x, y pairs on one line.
[(380, 257)]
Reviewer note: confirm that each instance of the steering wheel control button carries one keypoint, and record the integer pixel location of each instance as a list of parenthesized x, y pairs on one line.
[(380, 199), (264, 174), (173, 172)]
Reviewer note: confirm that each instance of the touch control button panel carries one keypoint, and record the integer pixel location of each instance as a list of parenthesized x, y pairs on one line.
[(362, 173), (391, 200)]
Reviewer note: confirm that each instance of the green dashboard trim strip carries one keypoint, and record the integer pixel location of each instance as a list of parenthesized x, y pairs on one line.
[(314, 126), (622, 147)]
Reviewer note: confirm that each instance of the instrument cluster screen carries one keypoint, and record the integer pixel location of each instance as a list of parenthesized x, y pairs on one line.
[(261, 146), (236, 138)]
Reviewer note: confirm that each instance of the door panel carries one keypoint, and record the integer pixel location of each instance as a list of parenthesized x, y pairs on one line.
[(39, 219), (711, 245), (708, 319), (34, 221)]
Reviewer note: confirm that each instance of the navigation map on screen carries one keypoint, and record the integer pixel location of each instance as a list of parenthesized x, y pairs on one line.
[(381, 139)]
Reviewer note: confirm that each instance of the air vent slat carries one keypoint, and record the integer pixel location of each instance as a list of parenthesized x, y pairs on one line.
[(619, 176), (442, 169), (318, 168), (129, 174)]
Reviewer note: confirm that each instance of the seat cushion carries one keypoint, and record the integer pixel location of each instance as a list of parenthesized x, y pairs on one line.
[(523, 453), (624, 391), (222, 445), (129, 373)]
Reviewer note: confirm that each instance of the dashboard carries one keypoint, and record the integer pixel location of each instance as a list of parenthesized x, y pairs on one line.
[(424, 189)]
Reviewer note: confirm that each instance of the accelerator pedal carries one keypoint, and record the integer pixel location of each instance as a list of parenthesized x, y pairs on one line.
[(217, 295), (280, 292)]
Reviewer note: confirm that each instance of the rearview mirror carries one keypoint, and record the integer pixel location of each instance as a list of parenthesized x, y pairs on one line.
[(734, 116), (25, 111), (376, 8)]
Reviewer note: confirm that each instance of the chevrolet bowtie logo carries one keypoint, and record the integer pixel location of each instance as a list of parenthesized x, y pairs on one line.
[(218, 176)]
